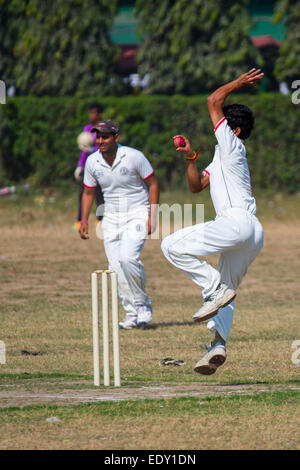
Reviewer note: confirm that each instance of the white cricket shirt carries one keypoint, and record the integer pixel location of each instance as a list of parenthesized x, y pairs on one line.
[(122, 183), (230, 184)]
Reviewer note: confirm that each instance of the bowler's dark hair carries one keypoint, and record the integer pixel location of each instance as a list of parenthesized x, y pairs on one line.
[(97, 106), (238, 115)]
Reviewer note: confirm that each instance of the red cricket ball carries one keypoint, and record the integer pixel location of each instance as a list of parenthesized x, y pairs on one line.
[(179, 142)]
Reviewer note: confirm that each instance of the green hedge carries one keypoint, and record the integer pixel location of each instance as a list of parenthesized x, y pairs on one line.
[(38, 136)]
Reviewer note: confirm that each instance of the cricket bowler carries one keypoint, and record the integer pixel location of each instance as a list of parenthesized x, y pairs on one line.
[(235, 233)]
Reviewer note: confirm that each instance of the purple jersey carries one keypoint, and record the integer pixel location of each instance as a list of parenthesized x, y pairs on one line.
[(84, 155)]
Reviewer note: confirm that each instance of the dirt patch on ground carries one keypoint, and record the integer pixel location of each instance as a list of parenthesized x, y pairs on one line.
[(23, 397)]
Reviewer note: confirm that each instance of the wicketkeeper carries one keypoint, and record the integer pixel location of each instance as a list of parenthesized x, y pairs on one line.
[(235, 233), (95, 115)]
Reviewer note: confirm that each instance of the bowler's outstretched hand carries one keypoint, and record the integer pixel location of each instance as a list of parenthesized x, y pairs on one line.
[(250, 78)]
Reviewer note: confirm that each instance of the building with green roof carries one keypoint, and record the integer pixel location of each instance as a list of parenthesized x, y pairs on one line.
[(264, 34)]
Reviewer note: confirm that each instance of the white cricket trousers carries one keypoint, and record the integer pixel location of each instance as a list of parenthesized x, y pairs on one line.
[(124, 235), (237, 236)]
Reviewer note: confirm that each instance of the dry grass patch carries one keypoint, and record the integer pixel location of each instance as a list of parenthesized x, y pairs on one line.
[(46, 307), (266, 421)]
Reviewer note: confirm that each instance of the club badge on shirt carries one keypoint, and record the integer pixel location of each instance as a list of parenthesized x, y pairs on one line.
[(123, 171)]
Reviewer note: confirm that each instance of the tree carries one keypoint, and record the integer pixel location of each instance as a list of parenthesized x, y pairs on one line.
[(190, 47), (64, 48), (8, 35), (287, 66)]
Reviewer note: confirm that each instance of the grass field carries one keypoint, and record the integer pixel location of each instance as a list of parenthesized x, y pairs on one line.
[(251, 402)]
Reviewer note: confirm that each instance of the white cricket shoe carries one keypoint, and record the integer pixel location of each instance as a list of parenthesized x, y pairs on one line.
[(144, 314), (222, 296), (128, 323), (212, 359)]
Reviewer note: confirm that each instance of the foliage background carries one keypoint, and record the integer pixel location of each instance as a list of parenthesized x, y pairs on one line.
[(59, 48), (288, 63), (59, 54), (38, 136), (191, 47)]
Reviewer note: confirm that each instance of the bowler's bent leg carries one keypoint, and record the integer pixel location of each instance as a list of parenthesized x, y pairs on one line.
[(185, 246), (233, 266)]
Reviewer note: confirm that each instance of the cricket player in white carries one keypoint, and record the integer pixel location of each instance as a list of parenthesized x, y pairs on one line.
[(131, 193), (235, 233)]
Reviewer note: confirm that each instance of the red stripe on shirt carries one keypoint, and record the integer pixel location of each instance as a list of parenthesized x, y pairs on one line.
[(206, 172), (219, 123), (151, 174), (90, 187)]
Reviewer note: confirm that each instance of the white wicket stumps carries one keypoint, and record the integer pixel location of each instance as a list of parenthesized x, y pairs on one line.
[(104, 274)]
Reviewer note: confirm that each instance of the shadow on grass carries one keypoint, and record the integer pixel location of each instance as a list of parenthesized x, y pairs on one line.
[(293, 381), (233, 383), (154, 326)]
